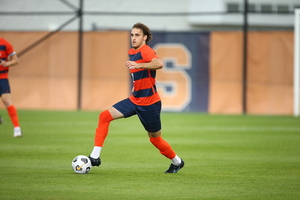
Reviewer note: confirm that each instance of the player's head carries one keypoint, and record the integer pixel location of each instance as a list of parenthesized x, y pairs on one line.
[(147, 35)]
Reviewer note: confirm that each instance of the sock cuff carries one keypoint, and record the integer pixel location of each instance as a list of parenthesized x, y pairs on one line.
[(152, 139), (106, 116), (10, 107)]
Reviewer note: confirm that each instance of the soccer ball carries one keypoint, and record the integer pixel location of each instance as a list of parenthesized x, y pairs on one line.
[(81, 164)]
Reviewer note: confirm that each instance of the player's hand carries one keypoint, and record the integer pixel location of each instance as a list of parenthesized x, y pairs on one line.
[(131, 65), (3, 63)]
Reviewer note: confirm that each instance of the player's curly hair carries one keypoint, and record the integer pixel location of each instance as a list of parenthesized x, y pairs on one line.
[(145, 29)]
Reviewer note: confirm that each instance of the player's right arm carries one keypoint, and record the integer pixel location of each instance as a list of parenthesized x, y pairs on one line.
[(153, 65), (12, 60)]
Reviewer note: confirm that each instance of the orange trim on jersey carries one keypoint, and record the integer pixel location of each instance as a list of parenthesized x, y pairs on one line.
[(145, 101), (3, 75), (139, 84)]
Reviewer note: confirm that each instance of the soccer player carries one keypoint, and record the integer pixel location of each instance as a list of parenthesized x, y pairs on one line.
[(144, 100), (8, 58)]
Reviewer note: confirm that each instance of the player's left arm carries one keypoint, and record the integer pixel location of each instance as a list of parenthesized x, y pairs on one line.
[(12, 60), (154, 64)]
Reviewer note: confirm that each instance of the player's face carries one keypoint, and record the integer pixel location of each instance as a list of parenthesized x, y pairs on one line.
[(137, 38)]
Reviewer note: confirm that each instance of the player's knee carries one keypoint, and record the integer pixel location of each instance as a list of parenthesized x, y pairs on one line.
[(7, 103), (105, 116), (154, 134), (6, 100)]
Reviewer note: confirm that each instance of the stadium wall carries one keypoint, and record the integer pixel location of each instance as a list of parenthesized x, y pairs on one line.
[(47, 76), (203, 71)]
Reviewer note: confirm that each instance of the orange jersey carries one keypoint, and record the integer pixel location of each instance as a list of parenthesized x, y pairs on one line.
[(144, 93), (6, 50)]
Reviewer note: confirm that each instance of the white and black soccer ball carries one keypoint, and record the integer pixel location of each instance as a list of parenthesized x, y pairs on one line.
[(81, 164)]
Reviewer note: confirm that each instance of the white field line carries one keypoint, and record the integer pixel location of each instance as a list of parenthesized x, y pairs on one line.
[(246, 128)]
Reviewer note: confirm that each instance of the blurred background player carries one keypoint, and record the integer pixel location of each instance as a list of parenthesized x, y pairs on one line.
[(144, 101), (8, 58)]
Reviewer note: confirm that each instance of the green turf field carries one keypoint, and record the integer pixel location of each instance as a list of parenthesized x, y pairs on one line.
[(227, 157)]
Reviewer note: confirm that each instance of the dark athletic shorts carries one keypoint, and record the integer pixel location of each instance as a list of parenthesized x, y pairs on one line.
[(149, 115), (4, 86)]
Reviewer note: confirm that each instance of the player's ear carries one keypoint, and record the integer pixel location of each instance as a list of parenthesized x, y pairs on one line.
[(145, 37)]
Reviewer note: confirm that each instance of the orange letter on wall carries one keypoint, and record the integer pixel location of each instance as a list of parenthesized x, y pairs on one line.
[(174, 83)]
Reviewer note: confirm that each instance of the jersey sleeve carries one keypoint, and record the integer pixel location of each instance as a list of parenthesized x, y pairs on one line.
[(9, 49), (148, 54)]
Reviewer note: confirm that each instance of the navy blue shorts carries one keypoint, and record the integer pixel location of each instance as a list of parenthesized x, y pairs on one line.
[(148, 115), (4, 86)]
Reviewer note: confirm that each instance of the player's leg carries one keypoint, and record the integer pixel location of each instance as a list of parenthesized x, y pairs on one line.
[(12, 111), (150, 118), (105, 118), (165, 149), (13, 114), (1, 92), (117, 111)]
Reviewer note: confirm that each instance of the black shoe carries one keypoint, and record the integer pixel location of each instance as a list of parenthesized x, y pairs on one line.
[(95, 161), (175, 168)]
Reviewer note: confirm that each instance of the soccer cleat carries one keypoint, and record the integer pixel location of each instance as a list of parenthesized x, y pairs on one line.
[(95, 161), (18, 133), (1, 120), (175, 168)]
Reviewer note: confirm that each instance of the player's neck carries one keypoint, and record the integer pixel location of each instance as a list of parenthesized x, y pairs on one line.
[(137, 48)]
